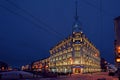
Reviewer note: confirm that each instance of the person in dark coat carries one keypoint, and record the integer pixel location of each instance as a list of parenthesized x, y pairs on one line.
[(20, 75)]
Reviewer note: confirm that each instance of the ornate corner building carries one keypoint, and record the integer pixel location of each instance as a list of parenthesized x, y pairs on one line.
[(75, 54)]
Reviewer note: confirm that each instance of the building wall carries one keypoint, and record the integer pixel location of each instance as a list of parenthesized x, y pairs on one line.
[(75, 54), (26, 67), (117, 41), (41, 65), (117, 30)]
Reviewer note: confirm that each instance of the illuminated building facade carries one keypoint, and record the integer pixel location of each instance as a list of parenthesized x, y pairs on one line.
[(75, 54), (41, 65), (26, 67), (117, 41)]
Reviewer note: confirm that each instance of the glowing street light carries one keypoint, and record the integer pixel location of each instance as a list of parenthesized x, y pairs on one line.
[(117, 59), (118, 49)]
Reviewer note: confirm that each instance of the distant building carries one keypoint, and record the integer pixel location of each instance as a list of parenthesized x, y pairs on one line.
[(104, 64), (117, 41), (26, 67), (41, 65), (111, 67), (3, 66)]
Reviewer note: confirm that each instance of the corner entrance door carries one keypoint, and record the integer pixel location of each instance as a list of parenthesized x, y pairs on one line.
[(76, 70)]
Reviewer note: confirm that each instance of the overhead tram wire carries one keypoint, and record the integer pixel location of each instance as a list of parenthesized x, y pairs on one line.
[(49, 27), (94, 6), (38, 20), (37, 25), (21, 16), (101, 25)]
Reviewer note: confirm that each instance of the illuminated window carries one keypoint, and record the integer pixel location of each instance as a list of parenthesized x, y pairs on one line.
[(81, 39), (96, 55), (69, 55), (63, 46), (64, 51), (56, 58), (69, 44), (77, 54), (71, 49), (73, 40), (60, 58), (77, 48), (60, 52), (64, 56), (59, 48), (84, 49), (56, 53), (56, 50), (70, 61), (53, 59), (77, 61), (3, 68)]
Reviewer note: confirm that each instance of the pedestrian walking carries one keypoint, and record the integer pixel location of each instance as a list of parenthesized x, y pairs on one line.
[(0, 76), (70, 73), (20, 75)]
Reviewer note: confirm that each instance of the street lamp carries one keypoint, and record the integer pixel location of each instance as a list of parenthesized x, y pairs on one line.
[(118, 49), (117, 59)]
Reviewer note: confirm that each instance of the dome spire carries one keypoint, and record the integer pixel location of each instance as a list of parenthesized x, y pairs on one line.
[(76, 16), (76, 25)]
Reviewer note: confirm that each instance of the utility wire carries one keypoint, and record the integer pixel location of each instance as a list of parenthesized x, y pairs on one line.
[(48, 28), (102, 10), (25, 18), (101, 24), (17, 14)]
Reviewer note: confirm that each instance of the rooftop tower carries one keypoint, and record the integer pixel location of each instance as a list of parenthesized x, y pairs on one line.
[(76, 25)]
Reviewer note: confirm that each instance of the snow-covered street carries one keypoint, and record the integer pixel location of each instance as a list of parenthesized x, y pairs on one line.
[(29, 76)]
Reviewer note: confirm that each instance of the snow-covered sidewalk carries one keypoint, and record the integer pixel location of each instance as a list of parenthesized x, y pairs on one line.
[(15, 75)]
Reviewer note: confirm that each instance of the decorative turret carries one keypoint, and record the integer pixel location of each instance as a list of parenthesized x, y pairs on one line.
[(76, 25)]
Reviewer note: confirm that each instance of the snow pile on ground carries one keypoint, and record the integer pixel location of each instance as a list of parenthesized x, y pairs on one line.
[(15, 75)]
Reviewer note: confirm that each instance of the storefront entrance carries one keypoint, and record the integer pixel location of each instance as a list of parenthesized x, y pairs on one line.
[(76, 70)]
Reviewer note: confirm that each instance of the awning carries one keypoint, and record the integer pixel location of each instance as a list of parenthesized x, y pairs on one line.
[(78, 66)]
